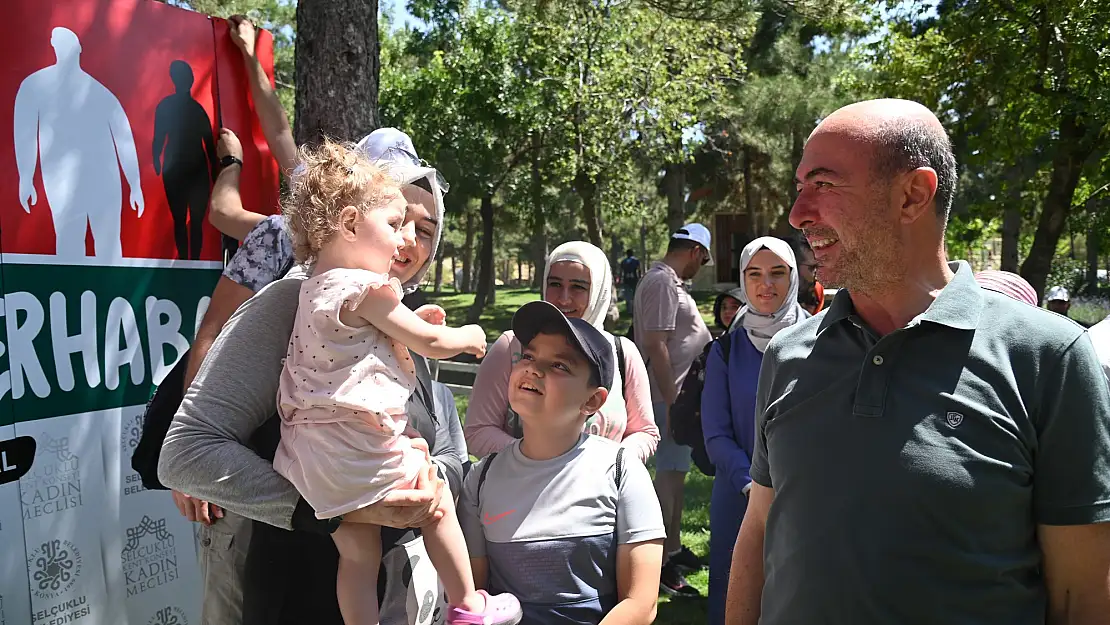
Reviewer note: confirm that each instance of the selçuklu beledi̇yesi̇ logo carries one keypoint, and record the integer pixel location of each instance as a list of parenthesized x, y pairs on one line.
[(169, 615), (55, 566), (130, 435)]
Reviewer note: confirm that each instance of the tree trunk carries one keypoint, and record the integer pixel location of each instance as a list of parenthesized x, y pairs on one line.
[(749, 194), (439, 275), (484, 292), (1011, 232), (1094, 242), (1067, 165), (538, 247), (468, 252), (674, 185), (587, 191), (337, 69)]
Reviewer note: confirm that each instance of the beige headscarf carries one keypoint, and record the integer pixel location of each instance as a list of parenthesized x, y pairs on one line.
[(761, 327), (601, 277)]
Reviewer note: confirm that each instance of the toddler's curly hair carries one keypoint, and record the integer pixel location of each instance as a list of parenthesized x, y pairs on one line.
[(330, 177)]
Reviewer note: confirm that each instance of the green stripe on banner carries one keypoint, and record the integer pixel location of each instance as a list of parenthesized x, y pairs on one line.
[(78, 339)]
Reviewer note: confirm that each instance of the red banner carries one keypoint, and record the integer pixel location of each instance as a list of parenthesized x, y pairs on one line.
[(108, 128)]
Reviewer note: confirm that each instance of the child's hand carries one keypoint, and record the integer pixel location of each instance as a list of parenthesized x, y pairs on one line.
[(432, 314), (475, 340)]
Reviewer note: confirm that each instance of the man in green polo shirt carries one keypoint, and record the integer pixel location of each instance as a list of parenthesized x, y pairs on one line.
[(927, 451)]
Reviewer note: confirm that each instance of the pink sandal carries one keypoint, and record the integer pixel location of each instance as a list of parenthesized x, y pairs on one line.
[(503, 609)]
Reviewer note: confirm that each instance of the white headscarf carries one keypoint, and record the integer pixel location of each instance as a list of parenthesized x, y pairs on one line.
[(601, 277), (761, 327)]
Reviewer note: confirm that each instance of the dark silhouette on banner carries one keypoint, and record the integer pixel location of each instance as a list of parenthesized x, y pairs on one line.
[(185, 157), (77, 131)]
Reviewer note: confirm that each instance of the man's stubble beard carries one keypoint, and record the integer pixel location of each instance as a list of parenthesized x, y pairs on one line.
[(872, 265)]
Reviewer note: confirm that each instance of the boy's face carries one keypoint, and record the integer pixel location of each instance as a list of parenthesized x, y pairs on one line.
[(550, 384)]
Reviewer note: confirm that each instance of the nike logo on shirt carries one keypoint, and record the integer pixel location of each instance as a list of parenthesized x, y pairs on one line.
[(487, 520)]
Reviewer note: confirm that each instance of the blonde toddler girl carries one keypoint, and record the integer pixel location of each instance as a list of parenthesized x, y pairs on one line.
[(348, 375)]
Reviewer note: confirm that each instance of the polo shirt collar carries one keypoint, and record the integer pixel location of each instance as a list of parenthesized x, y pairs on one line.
[(662, 266), (959, 303), (957, 306)]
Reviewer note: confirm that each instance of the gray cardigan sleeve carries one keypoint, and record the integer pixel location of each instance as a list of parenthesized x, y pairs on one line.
[(206, 453)]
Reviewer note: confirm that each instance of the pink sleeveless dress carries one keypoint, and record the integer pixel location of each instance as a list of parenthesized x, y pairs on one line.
[(342, 400)]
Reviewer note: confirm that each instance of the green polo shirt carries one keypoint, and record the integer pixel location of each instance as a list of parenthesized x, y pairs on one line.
[(911, 470)]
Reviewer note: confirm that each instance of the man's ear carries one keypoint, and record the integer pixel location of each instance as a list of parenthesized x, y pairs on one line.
[(596, 401), (918, 189), (348, 222)]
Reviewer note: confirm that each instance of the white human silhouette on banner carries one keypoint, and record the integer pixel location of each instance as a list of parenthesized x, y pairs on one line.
[(78, 130)]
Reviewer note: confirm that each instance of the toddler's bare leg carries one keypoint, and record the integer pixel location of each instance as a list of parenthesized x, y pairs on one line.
[(447, 549), (360, 556)]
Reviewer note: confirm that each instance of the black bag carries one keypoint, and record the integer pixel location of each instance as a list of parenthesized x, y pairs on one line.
[(159, 414), (156, 423), (686, 428)]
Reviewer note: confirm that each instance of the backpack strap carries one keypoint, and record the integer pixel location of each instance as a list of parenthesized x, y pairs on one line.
[(618, 474), (620, 468), (482, 476), (726, 346), (619, 344)]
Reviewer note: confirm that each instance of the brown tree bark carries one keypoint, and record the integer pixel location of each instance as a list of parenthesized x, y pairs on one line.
[(1011, 232), (749, 193), (1072, 148), (1094, 242), (468, 252), (674, 185), (439, 274), (337, 66), (485, 263), (538, 243), (587, 191)]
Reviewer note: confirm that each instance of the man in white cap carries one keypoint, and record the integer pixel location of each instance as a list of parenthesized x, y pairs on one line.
[(264, 256), (670, 333), (1058, 301)]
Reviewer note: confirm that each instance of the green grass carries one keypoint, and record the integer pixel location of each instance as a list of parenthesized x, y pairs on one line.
[(695, 535), (1089, 310), (497, 318), (695, 517)]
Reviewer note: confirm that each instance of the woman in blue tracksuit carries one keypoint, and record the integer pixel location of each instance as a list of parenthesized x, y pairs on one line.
[(769, 285)]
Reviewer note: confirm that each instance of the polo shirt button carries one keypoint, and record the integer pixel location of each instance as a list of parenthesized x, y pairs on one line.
[(878, 360), (206, 542)]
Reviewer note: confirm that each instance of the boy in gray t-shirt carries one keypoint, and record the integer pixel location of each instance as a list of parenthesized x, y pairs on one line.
[(563, 520)]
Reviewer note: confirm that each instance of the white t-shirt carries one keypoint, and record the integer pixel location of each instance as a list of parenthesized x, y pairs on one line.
[(1100, 336)]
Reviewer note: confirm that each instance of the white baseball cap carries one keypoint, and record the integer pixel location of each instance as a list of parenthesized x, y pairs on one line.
[(698, 234), (1057, 294)]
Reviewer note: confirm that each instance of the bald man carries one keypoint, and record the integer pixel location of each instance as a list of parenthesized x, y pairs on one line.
[(927, 451)]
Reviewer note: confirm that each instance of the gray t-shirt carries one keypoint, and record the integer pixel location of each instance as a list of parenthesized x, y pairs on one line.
[(550, 528)]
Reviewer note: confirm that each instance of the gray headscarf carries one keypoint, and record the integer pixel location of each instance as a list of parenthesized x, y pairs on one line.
[(760, 327), (392, 148)]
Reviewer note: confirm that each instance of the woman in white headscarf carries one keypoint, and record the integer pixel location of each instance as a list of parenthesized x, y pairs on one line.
[(578, 280), (769, 285)]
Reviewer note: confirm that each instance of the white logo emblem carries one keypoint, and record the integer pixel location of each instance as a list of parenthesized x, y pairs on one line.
[(954, 419)]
